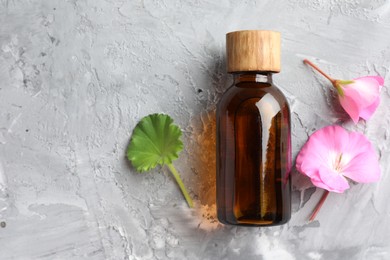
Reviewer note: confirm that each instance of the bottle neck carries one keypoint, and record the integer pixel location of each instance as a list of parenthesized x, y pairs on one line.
[(254, 77)]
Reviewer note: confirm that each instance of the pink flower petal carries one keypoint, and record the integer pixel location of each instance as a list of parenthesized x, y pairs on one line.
[(364, 169), (364, 91), (350, 107), (315, 155), (361, 98), (335, 181), (367, 112), (316, 180), (310, 157), (379, 79), (334, 136), (332, 153), (363, 166), (319, 183), (315, 152), (357, 144)]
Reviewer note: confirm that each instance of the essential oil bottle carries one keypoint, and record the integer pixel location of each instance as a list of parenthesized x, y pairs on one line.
[(253, 135)]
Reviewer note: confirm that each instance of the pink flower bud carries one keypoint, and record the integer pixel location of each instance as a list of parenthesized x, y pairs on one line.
[(360, 97)]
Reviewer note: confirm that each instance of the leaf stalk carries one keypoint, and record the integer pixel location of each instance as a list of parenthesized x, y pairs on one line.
[(183, 189)]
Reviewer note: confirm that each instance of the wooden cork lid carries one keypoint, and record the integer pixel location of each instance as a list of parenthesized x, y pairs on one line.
[(253, 50)]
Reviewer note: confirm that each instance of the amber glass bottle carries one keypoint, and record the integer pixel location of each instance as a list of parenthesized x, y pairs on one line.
[(253, 135)]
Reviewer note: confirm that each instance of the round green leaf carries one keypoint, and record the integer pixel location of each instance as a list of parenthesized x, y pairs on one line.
[(155, 141)]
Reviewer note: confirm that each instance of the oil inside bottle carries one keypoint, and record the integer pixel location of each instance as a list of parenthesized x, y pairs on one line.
[(253, 153)]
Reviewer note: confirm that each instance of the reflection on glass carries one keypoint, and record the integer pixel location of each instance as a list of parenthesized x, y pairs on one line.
[(268, 108)]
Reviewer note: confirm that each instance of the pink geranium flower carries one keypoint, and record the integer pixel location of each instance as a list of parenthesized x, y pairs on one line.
[(333, 155), (359, 97)]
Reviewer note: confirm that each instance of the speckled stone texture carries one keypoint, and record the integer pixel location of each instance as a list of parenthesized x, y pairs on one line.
[(75, 78)]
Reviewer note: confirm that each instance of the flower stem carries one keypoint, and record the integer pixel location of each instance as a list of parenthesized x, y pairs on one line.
[(181, 185), (320, 71), (319, 205)]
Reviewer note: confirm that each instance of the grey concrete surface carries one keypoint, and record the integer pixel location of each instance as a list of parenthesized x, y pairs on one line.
[(77, 75)]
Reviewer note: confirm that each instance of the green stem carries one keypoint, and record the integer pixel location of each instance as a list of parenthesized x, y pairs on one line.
[(181, 185)]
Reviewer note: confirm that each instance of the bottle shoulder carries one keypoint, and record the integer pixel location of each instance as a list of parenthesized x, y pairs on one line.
[(235, 95)]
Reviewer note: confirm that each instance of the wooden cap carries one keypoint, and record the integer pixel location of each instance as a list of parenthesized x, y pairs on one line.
[(253, 50)]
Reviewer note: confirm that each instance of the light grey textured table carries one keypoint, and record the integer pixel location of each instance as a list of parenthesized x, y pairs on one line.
[(77, 75)]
